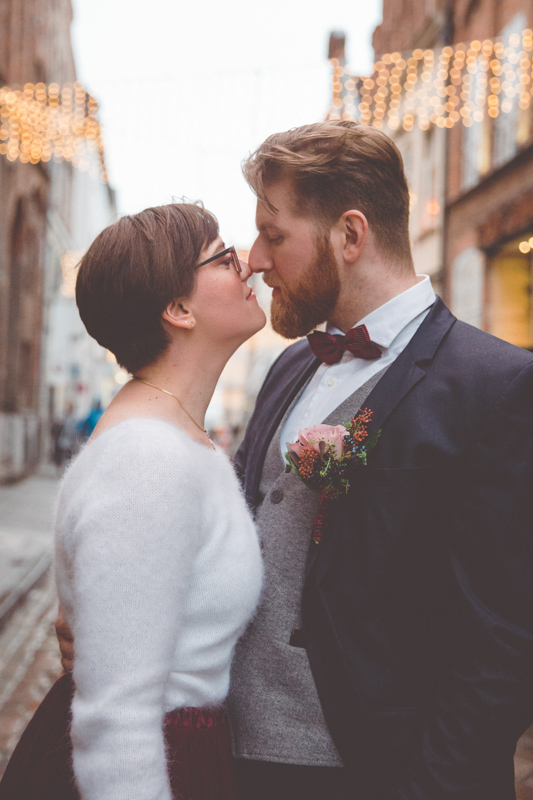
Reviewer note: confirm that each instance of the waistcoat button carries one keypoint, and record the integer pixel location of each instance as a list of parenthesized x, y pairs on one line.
[(276, 496)]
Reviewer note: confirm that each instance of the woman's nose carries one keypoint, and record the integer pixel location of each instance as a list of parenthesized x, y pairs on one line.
[(245, 270)]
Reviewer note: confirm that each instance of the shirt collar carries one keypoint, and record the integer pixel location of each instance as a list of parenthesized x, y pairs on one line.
[(387, 321)]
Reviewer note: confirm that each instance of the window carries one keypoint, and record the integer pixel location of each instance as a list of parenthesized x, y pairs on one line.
[(473, 138), (506, 123)]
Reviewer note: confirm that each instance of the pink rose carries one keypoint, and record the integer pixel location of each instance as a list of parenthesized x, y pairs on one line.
[(331, 435)]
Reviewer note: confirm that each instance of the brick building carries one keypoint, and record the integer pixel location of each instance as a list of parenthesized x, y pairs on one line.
[(48, 209), (34, 47), (484, 173), (406, 26), (489, 209)]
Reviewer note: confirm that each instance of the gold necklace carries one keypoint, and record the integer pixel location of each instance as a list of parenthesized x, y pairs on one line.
[(135, 378)]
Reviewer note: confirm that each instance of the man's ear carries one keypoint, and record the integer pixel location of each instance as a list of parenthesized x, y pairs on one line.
[(353, 227), (179, 315)]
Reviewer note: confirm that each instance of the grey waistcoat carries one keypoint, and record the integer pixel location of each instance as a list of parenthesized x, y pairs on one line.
[(273, 703)]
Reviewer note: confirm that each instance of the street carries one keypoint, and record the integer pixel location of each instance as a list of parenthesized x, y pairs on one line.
[(29, 659), (29, 656)]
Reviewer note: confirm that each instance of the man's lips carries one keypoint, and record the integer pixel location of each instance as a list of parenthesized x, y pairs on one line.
[(275, 289)]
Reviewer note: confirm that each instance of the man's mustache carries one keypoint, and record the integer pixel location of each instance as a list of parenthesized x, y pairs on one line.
[(269, 283)]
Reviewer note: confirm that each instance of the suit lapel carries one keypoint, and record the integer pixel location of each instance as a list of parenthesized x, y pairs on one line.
[(409, 367), (399, 379), (273, 410)]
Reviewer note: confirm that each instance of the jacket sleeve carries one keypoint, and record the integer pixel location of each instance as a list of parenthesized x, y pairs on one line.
[(484, 700)]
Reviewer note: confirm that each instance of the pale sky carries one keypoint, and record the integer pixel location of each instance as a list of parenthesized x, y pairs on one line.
[(187, 89)]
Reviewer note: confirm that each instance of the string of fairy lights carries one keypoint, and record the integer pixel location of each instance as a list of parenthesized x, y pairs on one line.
[(43, 122), (459, 84)]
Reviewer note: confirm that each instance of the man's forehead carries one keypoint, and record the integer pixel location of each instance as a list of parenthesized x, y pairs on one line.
[(264, 216), (267, 217)]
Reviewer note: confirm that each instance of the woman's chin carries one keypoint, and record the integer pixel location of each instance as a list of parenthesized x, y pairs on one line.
[(259, 324), (262, 322)]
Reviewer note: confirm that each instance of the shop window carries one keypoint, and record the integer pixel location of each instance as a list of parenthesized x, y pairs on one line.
[(510, 310)]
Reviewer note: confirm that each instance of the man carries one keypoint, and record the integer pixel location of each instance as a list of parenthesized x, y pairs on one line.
[(394, 660)]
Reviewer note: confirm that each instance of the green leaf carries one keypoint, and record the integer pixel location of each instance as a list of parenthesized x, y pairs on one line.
[(372, 440)]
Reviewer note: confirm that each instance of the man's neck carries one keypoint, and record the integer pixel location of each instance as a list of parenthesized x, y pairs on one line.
[(361, 298)]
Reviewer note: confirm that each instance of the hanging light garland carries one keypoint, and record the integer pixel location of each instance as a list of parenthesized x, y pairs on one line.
[(42, 122), (428, 87)]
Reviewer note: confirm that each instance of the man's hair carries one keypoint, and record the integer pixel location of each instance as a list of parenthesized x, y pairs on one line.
[(335, 166), (133, 270)]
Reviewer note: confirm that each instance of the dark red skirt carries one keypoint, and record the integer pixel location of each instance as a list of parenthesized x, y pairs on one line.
[(198, 746)]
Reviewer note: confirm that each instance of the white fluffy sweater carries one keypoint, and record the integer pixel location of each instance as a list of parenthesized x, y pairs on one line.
[(158, 572)]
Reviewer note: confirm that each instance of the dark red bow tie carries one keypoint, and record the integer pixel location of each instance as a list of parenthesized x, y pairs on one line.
[(330, 347)]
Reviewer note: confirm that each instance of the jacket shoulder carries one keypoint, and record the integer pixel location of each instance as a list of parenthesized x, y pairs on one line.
[(288, 360), (483, 351)]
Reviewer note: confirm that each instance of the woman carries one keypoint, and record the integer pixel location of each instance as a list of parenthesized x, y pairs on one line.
[(158, 564)]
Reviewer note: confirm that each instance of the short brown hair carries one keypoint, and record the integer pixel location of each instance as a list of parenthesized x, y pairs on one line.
[(133, 270), (335, 166)]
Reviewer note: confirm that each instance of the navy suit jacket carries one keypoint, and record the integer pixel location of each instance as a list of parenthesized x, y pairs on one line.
[(417, 606)]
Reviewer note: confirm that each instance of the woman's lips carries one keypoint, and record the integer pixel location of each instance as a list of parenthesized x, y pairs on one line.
[(251, 296)]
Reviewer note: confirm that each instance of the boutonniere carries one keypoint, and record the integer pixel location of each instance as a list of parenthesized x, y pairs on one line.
[(322, 456)]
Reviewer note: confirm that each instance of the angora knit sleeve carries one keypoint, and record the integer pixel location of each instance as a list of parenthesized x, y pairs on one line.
[(135, 523)]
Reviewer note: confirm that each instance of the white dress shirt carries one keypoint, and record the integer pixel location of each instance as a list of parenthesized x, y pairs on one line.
[(391, 326)]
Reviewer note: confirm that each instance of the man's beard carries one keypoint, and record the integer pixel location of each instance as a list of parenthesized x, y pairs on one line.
[(300, 308)]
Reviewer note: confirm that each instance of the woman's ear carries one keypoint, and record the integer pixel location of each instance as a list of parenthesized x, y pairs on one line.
[(178, 315)]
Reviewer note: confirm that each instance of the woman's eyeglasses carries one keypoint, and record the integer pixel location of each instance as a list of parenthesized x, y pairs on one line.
[(228, 251)]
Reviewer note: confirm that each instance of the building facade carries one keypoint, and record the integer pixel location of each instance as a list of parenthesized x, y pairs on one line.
[(452, 86), (406, 27), (41, 205), (489, 209)]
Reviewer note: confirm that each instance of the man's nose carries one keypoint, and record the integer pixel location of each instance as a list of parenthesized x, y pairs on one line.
[(259, 259)]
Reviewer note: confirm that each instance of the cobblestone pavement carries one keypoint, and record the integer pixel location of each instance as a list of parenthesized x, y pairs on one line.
[(29, 662), (26, 534)]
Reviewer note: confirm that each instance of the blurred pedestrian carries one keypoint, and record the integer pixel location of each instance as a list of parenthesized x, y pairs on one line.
[(64, 438), (87, 425)]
